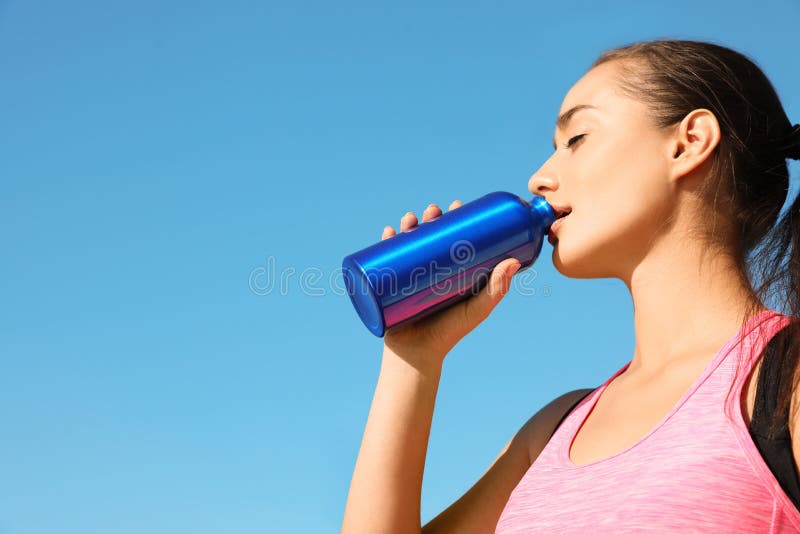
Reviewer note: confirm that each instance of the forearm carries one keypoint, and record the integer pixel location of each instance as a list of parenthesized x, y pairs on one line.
[(386, 488)]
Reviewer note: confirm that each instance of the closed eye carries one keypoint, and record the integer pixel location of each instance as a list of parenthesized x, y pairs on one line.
[(573, 140)]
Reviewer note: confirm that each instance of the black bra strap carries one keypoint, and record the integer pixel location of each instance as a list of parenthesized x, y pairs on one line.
[(569, 410), (777, 450)]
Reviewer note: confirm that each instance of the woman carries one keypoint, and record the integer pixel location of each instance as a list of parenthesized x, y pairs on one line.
[(670, 157)]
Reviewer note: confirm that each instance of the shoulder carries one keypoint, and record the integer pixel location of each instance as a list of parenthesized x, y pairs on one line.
[(794, 425), (540, 427), (481, 506)]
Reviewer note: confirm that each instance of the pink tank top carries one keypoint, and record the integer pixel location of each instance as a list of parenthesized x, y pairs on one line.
[(698, 470)]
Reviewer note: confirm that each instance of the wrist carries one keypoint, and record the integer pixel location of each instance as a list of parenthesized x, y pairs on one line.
[(425, 362)]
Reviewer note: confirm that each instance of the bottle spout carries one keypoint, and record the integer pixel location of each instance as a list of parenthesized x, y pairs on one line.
[(543, 212)]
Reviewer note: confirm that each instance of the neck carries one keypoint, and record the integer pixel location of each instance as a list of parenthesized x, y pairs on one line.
[(688, 301)]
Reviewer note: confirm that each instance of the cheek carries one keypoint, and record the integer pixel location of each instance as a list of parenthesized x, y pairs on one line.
[(619, 201), (623, 173)]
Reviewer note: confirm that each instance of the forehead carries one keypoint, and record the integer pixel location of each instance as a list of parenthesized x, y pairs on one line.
[(598, 88)]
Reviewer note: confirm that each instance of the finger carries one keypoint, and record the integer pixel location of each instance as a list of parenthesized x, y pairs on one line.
[(388, 232), (431, 212), (481, 305), (454, 204), (408, 221)]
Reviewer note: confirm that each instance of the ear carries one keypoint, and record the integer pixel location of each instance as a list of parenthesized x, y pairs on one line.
[(693, 143)]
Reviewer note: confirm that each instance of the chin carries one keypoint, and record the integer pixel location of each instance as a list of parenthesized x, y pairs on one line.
[(581, 264)]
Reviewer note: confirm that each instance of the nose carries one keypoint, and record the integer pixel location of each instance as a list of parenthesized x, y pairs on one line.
[(542, 182)]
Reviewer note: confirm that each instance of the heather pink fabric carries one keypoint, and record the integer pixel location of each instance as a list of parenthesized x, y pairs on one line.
[(698, 470)]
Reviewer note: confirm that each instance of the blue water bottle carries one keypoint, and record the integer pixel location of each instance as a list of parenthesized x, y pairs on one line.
[(440, 262)]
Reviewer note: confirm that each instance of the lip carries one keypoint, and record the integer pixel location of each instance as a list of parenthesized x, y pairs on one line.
[(554, 228), (558, 209)]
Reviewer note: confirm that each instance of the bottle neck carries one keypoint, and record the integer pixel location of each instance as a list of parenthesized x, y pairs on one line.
[(542, 212)]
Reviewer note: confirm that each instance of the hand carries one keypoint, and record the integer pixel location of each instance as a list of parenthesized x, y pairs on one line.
[(435, 335)]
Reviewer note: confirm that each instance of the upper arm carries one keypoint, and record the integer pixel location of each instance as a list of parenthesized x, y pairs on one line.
[(479, 509)]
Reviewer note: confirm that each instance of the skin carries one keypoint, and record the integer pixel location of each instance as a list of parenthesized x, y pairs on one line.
[(633, 189), (635, 215)]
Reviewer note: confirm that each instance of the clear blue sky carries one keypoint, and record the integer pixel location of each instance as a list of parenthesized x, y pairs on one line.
[(155, 156)]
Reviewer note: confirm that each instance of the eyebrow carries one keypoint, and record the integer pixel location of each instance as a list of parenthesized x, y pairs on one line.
[(565, 117)]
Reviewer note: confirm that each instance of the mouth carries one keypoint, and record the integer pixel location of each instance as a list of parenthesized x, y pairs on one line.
[(560, 212)]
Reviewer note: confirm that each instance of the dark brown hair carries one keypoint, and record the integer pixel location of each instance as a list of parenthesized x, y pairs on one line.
[(749, 180)]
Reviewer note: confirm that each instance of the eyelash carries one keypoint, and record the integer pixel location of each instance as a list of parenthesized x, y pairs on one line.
[(573, 140)]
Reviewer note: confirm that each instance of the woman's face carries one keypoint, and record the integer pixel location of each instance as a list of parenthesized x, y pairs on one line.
[(614, 179)]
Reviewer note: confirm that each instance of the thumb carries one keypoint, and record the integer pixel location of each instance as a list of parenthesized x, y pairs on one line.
[(481, 305)]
